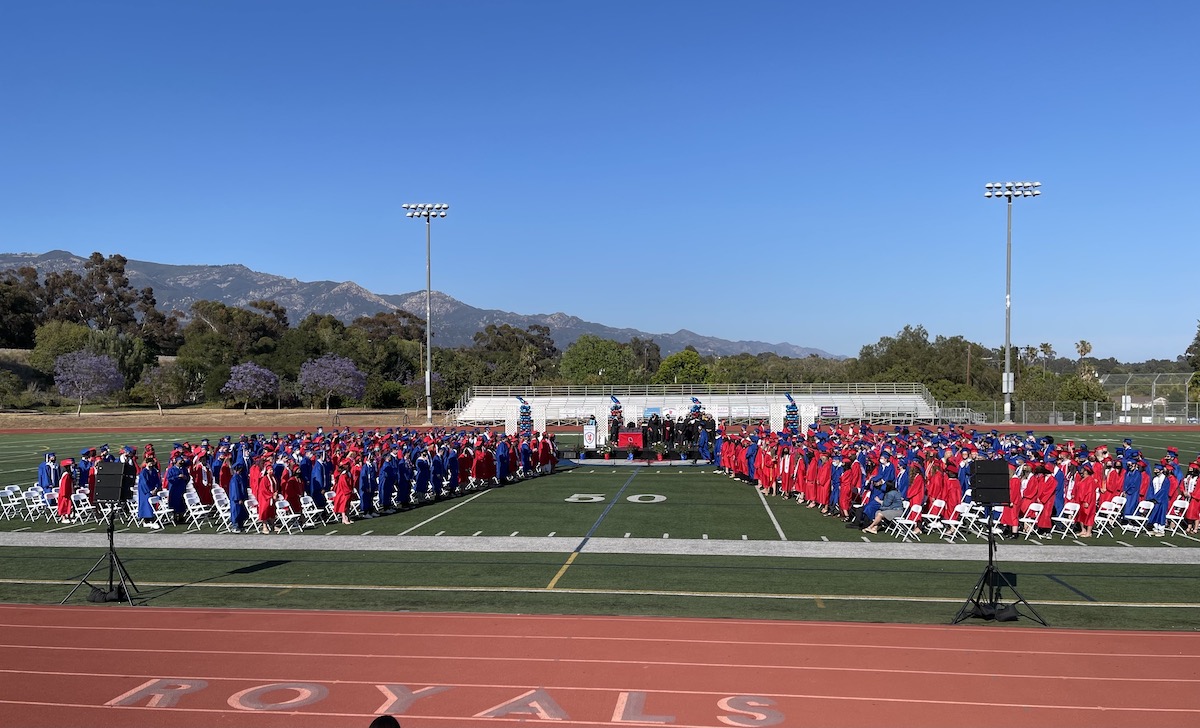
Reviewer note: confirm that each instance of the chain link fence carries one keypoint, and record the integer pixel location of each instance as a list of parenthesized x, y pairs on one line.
[(1072, 413)]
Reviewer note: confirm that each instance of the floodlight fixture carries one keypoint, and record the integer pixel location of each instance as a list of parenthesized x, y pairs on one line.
[(1007, 192), (428, 211)]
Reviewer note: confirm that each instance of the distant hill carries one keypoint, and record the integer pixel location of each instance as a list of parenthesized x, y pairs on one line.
[(177, 287)]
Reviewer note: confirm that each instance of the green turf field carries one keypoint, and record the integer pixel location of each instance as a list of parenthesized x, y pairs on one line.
[(1067, 595), (658, 506)]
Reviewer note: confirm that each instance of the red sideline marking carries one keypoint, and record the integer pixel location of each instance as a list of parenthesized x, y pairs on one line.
[(187, 668)]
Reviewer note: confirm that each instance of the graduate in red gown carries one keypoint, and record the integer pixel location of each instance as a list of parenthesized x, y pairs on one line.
[(916, 485), (1009, 516), (852, 479), (66, 489), (822, 479), (1045, 495), (343, 490), (466, 458), (202, 477), (784, 467), (1191, 490), (483, 465), (1113, 480), (224, 469), (809, 486), (290, 485), (267, 489), (1087, 483)]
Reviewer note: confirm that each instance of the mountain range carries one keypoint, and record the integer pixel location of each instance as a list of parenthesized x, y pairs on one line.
[(177, 287)]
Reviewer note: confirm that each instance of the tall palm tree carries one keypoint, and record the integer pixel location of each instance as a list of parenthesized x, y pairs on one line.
[(1047, 352), (1029, 354), (1083, 347)]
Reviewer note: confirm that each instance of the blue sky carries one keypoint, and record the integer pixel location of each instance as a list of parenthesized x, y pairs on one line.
[(780, 171)]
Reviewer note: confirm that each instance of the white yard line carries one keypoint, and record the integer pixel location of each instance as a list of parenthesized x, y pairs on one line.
[(434, 518), (778, 528)]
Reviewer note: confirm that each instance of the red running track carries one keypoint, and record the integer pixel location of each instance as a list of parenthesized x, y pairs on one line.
[(193, 668)]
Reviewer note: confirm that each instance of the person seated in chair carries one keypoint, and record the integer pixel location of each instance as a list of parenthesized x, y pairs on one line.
[(891, 507)]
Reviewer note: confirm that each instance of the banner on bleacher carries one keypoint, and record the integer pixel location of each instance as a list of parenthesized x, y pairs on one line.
[(829, 412)]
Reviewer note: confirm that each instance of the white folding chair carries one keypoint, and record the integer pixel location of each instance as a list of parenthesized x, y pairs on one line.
[(155, 503), (50, 500), (1176, 514), (975, 519), (311, 513), (82, 508), (197, 512), (331, 516), (1107, 516), (288, 519), (951, 526), (1029, 521), (163, 515), (222, 515), (252, 520), (1065, 521), (906, 525), (10, 504), (1135, 522), (129, 512), (933, 517), (35, 504)]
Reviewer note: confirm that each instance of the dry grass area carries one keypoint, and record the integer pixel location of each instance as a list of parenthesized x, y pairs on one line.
[(234, 420)]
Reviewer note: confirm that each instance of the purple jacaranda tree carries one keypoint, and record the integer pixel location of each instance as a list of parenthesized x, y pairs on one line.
[(84, 375), (250, 382), (330, 375)]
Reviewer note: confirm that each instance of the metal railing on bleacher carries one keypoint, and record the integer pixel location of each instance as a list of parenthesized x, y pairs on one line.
[(699, 390), (872, 401)]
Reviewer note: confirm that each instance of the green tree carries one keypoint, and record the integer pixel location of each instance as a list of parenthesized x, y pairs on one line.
[(387, 324), (163, 384), (514, 355), (221, 336), (315, 336), (55, 338), (10, 386), (20, 307), (1047, 352), (1192, 354), (99, 298), (593, 360), (647, 358), (1037, 386), (129, 352), (682, 367), (736, 369), (1081, 389), (908, 350)]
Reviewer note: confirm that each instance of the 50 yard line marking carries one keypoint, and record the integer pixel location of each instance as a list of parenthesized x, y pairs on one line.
[(563, 570), (592, 530)]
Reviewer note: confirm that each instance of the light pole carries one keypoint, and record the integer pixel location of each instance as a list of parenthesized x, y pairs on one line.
[(1007, 191), (428, 212)]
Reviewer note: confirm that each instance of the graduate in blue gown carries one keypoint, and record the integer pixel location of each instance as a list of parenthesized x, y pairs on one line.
[(389, 474), (239, 490), (148, 483), (503, 459)]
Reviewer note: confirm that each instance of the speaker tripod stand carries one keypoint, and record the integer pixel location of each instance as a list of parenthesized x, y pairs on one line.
[(119, 580), (984, 601)]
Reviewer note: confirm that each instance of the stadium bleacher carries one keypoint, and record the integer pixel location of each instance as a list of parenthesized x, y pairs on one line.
[(878, 403)]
